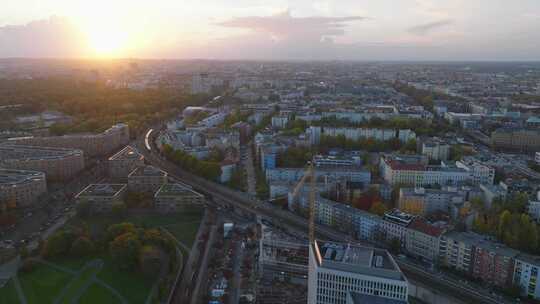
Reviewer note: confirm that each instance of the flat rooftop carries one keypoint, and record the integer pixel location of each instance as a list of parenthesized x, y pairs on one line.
[(357, 259), (101, 190), (176, 190), (24, 152), (147, 171), (358, 298), (128, 153), (11, 177)]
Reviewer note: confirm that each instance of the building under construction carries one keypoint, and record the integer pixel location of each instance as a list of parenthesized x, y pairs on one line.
[(283, 257)]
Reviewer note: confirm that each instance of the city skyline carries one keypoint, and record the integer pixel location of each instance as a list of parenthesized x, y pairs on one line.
[(273, 30)]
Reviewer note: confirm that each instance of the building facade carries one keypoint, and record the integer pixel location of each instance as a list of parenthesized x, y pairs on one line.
[(91, 144), (58, 164), (335, 270), (175, 197), (21, 188)]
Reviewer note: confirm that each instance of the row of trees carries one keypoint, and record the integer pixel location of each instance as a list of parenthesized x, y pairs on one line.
[(207, 169), (509, 222), (369, 144)]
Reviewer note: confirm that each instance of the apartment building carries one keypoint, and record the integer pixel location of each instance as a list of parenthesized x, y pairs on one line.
[(335, 270), (482, 174), (411, 170), (436, 149), (124, 162), (423, 240), (394, 225), (326, 173), (422, 201), (91, 144), (526, 272), (477, 256), (102, 196), (21, 188), (175, 197), (457, 252), (511, 139), (146, 179), (59, 164)]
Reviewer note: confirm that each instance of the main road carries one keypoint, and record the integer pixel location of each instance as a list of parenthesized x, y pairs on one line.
[(223, 195)]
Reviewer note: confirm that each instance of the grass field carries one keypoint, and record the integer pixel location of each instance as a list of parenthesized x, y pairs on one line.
[(98, 294), (8, 294), (44, 284), (134, 286)]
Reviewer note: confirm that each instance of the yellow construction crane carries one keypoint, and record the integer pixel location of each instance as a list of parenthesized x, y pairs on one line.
[(309, 173)]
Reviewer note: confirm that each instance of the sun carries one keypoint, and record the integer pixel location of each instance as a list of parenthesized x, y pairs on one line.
[(107, 40)]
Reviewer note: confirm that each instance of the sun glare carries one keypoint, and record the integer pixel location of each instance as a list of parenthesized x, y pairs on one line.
[(107, 32), (107, 41)]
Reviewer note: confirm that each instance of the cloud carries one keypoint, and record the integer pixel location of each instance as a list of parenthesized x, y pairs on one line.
[(283, 26), (426, 28), (54, 37)]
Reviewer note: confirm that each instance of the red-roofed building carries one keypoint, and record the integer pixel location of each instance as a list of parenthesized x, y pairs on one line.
[(423, 239)]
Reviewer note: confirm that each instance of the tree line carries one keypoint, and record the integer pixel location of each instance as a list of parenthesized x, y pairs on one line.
[(207, 169)]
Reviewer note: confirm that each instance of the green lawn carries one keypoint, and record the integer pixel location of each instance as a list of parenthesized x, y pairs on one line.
[(8, 293), (98, 294), (79, 282), (134, 286), (43, 284)]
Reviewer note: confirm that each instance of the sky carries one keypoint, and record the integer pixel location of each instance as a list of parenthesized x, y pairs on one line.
[(272, 29)]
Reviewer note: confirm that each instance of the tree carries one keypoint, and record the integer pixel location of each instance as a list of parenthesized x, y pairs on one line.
[(118, 209), (378, 208), (125, 249), (118, 229), (505, 221), (58, 244), (84, 209), (150, 260), (82, 246)]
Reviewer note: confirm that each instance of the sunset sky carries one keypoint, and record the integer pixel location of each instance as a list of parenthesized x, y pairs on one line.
[(273, 29)]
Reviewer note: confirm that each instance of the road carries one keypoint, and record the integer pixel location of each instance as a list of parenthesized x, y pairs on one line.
[(287, 220)]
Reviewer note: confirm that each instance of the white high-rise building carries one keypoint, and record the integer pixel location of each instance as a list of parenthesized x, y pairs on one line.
[(336, 270)]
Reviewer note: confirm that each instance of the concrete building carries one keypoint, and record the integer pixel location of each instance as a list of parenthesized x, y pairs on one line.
[(124, 162), (413, 171), (526, 272), (421, 201), (58, 164), (520, 140), (358, 298), (21, 188), (175, 197), (146, 179), (335, 270), (423, 240), (481, 173), (436, 149), (91, 144), (394, 225), (479, 257), (102, 196), (280, 121), (325, 174)]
